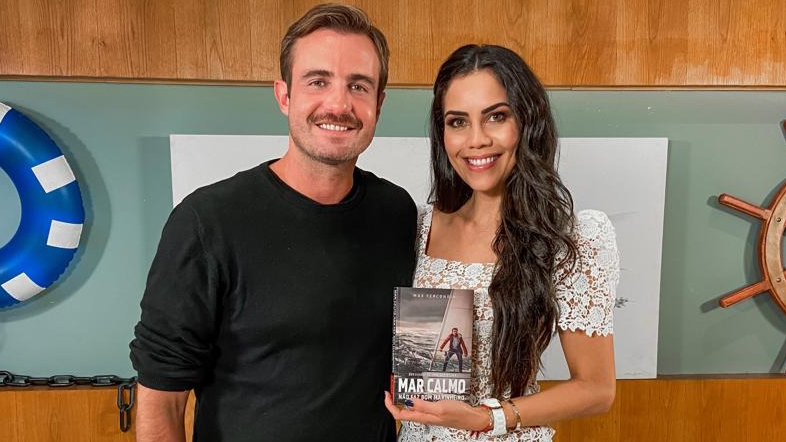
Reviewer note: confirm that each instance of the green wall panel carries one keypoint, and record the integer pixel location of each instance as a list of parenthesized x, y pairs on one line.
[(116, 136)]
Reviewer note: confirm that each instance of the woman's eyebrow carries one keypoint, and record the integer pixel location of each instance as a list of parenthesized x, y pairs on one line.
[(457, 113), (484, 111), (493, 106)]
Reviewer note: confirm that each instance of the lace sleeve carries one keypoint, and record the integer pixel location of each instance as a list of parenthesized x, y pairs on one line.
[(586, 294)]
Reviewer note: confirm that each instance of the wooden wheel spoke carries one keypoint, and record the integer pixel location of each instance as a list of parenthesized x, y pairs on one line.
[(769, 247)]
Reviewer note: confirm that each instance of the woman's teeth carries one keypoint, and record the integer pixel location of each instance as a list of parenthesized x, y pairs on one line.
[(482, 161)]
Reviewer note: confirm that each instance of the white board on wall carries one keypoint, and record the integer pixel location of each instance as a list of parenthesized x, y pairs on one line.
[(198, 160), (624, 177)]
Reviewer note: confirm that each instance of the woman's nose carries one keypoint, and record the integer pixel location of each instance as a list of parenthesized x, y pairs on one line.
[(479, 137)]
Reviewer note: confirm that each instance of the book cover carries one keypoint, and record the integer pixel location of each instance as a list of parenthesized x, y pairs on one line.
[(432, 344)]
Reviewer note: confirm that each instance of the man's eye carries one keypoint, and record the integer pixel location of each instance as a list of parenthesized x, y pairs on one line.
[(317, 83), (358, 87)]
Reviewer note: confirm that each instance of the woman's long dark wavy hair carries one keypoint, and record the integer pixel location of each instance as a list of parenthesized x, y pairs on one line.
[(535, 232)]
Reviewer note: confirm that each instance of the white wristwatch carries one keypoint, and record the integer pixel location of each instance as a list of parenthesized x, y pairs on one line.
[(500, 424)]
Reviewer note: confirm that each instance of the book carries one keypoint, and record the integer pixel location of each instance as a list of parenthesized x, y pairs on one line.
[(432, 344)]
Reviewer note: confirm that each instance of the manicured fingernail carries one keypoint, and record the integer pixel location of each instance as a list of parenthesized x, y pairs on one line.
[(409, 403)]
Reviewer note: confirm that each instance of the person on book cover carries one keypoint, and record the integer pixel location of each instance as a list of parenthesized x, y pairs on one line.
[(456, 346), (267, 294), (502, 223)]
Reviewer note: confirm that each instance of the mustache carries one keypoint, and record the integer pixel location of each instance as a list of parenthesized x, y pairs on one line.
[(345, 119)]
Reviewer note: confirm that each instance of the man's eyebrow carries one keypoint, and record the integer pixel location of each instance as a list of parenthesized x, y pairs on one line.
[(317, 73), (363, 78)]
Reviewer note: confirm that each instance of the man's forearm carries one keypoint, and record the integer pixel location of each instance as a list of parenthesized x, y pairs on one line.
[(160, 415)]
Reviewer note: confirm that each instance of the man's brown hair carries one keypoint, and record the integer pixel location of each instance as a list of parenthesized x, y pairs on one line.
[(340, 18)]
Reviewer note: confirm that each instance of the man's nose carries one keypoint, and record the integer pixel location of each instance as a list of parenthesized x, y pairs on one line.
[(338, 100)]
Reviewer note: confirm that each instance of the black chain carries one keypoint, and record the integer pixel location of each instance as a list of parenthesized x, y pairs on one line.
[(8, 379), (125, 407)]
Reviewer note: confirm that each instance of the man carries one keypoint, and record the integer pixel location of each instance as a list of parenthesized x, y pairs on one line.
[(456, 347), (271, 292)]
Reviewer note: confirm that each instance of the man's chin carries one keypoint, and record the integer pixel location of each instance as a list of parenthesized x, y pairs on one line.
[(334, 160), (334, 155)]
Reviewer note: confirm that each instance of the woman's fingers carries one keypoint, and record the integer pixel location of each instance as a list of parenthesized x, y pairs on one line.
[(445, 413), (394, 410), (416, 412)]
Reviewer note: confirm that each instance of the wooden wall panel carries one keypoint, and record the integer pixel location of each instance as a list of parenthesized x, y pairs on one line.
[(569, 43), (687, 410), (663, 410), (8, 417), (190, 48), (81, 414), (228, 42), (51, 39), (136, 39), (267, 28)]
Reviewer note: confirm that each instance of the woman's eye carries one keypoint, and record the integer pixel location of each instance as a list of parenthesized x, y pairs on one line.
[(456, 123), (498, 116)]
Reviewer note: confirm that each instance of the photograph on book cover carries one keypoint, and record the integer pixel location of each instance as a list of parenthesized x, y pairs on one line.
[(624, 177), (432, 343)]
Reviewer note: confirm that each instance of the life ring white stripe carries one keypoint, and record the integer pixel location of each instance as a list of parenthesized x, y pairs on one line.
[(21, 287), (64, 235), (54, 174), (3, 110)]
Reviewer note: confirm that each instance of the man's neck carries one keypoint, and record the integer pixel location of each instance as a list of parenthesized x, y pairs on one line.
[(323, 183)]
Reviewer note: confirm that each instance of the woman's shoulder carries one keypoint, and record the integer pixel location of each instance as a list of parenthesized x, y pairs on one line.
[(592, 216), (424, 225), (595, 227), (425, 213), (425, 209), (596, 246)]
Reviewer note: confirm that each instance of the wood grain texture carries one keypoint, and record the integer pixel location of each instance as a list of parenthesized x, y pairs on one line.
[(569, 43), (679, 410), (266, 31), (10, 38), (8, 418), (81, 414), (55, 39), (707, 409), (137, 39)]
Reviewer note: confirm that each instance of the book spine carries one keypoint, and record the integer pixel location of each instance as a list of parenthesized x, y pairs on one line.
[(396, 304)]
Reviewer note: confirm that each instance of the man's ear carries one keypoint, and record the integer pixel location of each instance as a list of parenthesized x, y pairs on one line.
[(379, 103), (282, 96)]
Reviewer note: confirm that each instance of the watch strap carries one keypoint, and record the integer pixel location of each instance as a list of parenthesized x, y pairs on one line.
[(498, 413)]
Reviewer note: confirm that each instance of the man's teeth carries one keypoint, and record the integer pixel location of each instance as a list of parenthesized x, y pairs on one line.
[(333, 127), (481, 161)]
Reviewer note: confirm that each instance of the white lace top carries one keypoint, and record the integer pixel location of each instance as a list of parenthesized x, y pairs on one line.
[(586, 301)]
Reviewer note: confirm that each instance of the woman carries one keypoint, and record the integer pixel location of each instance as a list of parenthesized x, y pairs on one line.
[(502, 223)]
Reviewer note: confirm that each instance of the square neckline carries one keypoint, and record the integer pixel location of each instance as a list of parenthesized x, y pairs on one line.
[(426, 237)]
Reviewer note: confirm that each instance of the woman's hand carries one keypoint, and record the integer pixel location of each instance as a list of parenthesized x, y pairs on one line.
[(454, 414)]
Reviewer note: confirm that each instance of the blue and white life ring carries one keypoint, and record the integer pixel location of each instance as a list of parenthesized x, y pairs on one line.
[(52, 210)]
